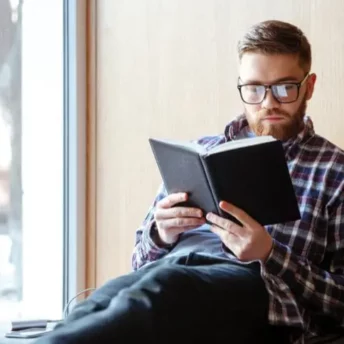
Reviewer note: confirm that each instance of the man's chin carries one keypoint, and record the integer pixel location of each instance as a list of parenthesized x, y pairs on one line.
[(278, 131)]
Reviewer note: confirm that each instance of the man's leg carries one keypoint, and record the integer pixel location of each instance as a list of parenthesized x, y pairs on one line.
[(174, 302), (101, 297)]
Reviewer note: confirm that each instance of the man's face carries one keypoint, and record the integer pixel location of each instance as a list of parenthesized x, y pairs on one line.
[(271, 117)]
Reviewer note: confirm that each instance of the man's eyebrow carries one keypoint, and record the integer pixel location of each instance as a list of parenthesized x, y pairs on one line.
[(276, 81)]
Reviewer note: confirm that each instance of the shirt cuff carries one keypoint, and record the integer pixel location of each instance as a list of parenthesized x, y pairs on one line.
[(150, 245), (279, 260)]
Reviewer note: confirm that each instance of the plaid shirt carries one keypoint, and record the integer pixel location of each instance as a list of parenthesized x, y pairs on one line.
[(304, 273)]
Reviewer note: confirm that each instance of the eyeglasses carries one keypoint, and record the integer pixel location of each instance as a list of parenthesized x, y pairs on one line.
[(283, 93)]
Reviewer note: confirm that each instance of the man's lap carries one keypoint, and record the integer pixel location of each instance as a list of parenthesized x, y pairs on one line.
[(212, 299)]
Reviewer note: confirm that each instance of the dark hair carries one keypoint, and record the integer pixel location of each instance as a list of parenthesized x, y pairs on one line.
[(277, 37)]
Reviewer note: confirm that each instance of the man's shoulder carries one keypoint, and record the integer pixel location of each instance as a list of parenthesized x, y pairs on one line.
[(231, 131), (210, 141), (329, 159), (326, 147)]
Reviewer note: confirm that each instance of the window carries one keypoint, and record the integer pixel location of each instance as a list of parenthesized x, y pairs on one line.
[(41, 159)]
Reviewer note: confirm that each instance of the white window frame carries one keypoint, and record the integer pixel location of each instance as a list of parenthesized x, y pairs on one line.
[(75, 106)]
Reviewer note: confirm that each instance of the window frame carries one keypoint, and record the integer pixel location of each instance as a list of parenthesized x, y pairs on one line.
[(75, 109)]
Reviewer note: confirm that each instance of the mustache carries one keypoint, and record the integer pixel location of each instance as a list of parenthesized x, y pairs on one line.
[(272, 112)]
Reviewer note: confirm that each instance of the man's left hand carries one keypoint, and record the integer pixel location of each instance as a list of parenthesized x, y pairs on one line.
[(250, 242)]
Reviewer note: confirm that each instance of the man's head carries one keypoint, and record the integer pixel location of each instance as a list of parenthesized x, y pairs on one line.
[(276, 55)]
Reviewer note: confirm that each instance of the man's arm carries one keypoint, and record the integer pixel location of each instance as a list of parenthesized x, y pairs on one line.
[(146, 250), (316, 288), (312, 287)]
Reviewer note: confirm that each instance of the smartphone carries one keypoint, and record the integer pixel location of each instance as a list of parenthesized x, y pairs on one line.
[(29, 333)]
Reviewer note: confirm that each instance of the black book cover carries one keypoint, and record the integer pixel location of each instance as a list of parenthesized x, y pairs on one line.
[(255, 178), (181, 169)]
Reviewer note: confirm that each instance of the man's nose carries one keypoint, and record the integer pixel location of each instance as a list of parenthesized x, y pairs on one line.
[(269, 101)]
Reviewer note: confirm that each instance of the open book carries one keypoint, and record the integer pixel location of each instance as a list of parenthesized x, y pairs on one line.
[(250, 173)]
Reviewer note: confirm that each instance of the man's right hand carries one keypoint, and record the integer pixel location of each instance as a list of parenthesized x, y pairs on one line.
[(171, 221)]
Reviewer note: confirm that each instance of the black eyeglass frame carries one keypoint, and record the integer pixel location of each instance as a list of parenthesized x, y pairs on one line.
[(269, 87)]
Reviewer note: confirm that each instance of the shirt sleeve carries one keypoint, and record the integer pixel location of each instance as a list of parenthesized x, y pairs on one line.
[(315, 288), (145, 249)]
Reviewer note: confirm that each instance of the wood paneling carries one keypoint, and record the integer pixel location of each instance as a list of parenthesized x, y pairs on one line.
[(168, 68), (91, 158)]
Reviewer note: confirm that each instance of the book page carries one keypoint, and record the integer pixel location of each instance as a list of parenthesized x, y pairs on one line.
[(240, 143), (193, 146)]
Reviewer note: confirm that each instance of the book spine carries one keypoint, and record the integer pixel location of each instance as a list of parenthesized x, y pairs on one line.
[(210, 185), (215, 193)]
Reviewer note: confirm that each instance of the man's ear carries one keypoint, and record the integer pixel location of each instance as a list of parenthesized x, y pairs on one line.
[(310, 85)]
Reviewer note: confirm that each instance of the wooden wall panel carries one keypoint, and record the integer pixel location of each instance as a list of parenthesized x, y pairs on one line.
[(91, 158), (168, 68)]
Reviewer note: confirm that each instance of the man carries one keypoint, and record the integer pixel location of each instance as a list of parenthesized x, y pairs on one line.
[(198, 283)]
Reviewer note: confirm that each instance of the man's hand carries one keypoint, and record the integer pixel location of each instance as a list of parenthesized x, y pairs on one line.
[(250, 242), (172, 221)]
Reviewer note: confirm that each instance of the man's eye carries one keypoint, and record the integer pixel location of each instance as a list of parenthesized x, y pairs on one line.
[(284, 90), (254, 89)]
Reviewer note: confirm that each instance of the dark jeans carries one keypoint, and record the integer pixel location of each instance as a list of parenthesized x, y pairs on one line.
[(190, 299)]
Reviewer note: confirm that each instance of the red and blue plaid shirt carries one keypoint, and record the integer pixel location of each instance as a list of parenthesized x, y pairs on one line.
[(304, 273)]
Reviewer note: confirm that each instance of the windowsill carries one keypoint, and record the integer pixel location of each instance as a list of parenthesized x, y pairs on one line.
[(4, 340), (4, 328)]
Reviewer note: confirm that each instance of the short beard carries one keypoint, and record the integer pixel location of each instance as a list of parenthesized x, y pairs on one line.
[(290, 128)]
